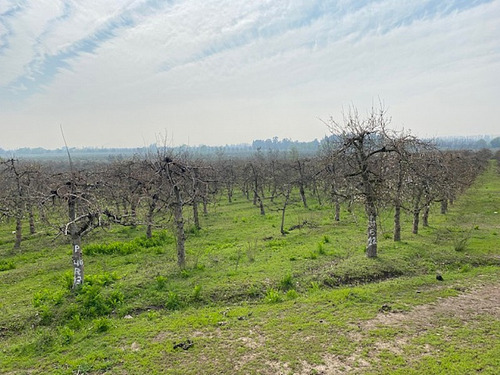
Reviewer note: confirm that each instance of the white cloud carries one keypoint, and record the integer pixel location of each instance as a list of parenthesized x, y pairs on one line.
[(221, 72)]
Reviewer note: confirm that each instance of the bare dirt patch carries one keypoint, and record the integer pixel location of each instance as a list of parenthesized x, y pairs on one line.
[(464, 308), (482, 300)]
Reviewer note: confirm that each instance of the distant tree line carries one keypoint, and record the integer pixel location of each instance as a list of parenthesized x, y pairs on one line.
[(239, 150)]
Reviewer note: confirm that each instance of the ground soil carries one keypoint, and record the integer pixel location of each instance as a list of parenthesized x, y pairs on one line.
[(465, 308)]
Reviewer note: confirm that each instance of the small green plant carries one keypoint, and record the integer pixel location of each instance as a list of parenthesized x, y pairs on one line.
[(196, 293), (237, 258), (115, 298), (161, 282), (45, 340), (314, 286), (48, 297), (92, 301), (273, 296), (461, 244), (254, 291), (286, 282), (7, 265), (102, 279), (67, 280), (251, 251), (66, 334), (45, 314), (321, 248), (102, 325), (75, 322), (152, 315), (173, 301), (291, 294), (312, 255), (326, 239)]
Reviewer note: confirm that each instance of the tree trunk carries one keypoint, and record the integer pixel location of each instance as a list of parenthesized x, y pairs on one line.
[(337, 209), (133, 210), (397, 205), (195, 215), (317, 193), (397, 223), (179, 228), (425, 216), (77, 257), (205, 206), (303, 195), (31, 217), (261, 206), (77, 261), (19, 231), (416, 220), (282, 228), (149, 221), (444, 206), (371, 247)]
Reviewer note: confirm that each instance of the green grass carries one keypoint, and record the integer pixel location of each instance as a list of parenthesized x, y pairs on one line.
[(250, 299)]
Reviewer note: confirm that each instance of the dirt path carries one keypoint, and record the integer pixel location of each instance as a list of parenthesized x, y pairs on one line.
[(466, 307)]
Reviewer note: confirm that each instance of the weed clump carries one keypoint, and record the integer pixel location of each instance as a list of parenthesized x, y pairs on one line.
[(286, 282), (95, 302), (196, 293), (173, 301), (273, 296), (102, 325)]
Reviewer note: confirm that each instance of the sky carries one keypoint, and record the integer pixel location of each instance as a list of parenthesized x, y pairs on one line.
[(130, 73)]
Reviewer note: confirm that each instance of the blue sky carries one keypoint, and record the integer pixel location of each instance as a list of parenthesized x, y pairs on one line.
[(123, 73)]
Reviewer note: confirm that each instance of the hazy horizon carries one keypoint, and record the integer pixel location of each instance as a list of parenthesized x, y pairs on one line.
[(123, 73)]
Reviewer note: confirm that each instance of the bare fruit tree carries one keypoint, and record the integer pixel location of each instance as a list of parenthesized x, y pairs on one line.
[(361, 145)]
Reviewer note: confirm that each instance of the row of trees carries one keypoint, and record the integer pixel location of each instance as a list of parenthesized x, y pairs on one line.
[(364, 162)]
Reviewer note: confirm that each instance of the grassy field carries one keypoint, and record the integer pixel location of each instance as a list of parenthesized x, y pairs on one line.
[(252, 301)]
